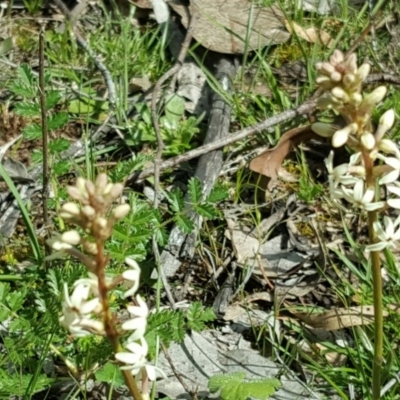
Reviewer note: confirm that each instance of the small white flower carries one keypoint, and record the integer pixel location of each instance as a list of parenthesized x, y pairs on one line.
[(389, 147), (138, 323), (91, 282), (394, 188), (135, 360), (133, 276), (392, 175), (339, 174), (362, 198), (78, 309), (388, 234)]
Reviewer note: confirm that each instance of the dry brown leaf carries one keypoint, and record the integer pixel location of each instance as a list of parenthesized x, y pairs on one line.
[(340, 318), (222, 26), (269, 162), (311, 35), (142, 3), (139, 84)]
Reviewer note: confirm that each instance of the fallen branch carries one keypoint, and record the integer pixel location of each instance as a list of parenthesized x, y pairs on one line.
[(306, 108)]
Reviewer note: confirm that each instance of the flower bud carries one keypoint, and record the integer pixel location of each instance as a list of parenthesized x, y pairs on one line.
[(351, 63), (90, 247), (108, 189), (116, 190), (385, 123), (376, 96), (90, 188), (88, 211), (77, 194), (368, 140), (69, 210), (342, 135), (336, 76), (71, 237), (101, 222), (340, 94), (348, 80), (101, 183), (121, 211), (326, 68), (324, 82), (356, 97), (336, 58), (363, 71), (387, 119)]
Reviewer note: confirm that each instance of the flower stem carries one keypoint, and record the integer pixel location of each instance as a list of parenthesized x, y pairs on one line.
[(378, 311), (109, 322)]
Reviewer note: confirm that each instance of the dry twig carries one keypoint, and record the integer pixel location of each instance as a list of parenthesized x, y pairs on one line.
[(160, 144)]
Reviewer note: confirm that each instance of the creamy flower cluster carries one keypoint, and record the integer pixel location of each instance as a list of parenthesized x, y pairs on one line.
[(83, 310), (342, 79)]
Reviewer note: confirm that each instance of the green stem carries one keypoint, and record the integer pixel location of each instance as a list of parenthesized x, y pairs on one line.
[(378, 312)]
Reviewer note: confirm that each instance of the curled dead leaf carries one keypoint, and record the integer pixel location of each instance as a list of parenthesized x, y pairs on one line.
[(269, 162), (339, 318), (310, 35)]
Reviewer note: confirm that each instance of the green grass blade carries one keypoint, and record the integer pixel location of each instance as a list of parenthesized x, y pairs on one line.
[(25, 215)]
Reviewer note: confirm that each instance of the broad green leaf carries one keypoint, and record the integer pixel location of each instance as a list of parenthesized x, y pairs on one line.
[(58, 145), (4, 291), (16, 299), (56, 121), (195, 190), (19, 325), (61, 167), (22, 90), (174, 109), (81, 107), (219, 193), (110, 373), (175, 198), (16, 384), (184, 223), (32, 131), (205, 210), (4, 314), (6, 45), (27, 109), (197, 316), (144, 112), (52, 98), (37, 156), (26, 77)]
